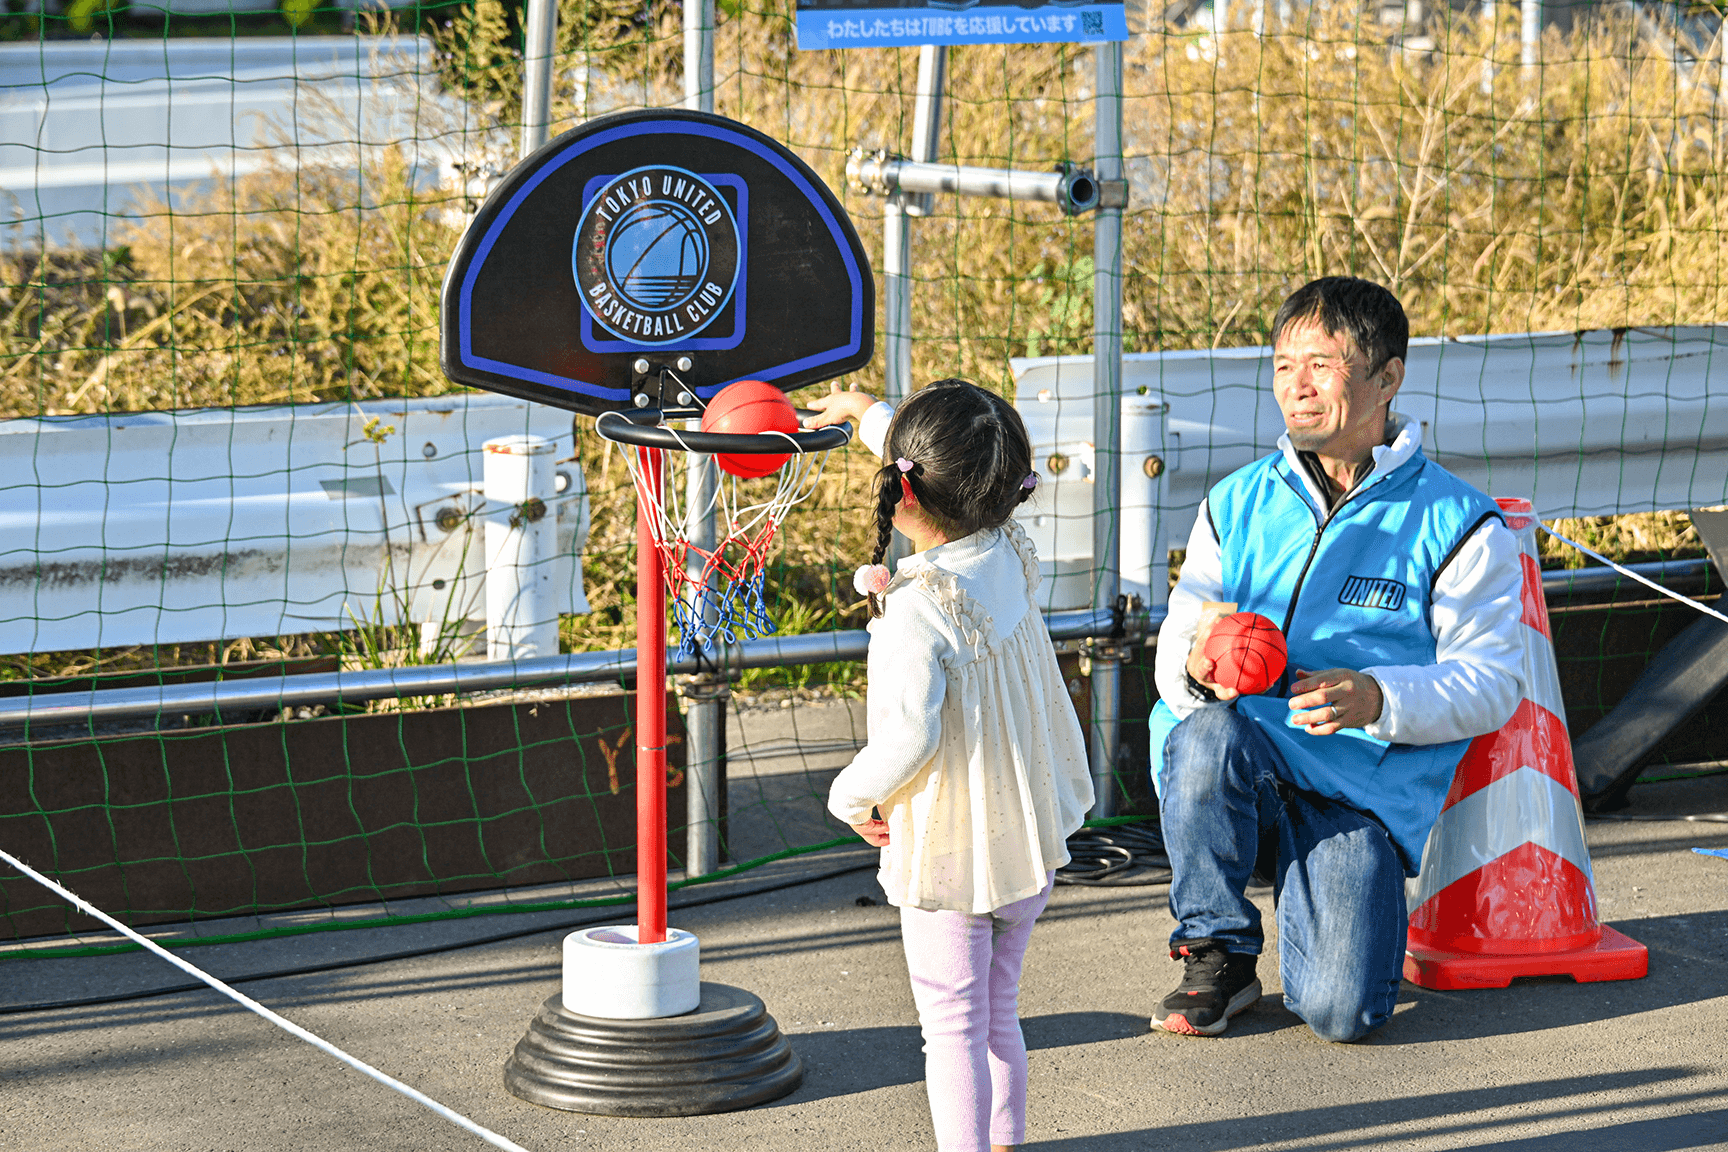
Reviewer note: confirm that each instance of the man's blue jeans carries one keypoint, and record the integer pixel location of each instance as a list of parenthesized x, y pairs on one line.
[(1338, 888)]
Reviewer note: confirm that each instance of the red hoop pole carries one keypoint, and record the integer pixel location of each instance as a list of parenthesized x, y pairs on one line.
[(650, 708)]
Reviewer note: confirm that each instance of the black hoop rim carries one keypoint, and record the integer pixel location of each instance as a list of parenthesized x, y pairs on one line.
[(645, 428)]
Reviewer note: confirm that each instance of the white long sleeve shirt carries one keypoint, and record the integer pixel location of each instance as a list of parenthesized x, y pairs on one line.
[(1476, 680), (975, 756)]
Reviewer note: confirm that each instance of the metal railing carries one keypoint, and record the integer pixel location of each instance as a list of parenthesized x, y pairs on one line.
[(256, 694)]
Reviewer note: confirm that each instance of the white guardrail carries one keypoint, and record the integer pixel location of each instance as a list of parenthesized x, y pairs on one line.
[(168, 527), (1582, 423), (211, 524), (84, 125)]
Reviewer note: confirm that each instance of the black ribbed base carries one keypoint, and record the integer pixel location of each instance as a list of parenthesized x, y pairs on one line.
[(726, 1055)]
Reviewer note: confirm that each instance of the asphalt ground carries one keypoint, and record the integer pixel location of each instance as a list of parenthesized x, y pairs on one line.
[(1542, 1066)]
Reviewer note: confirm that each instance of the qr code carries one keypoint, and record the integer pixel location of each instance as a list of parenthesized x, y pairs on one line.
[(1092, 23)]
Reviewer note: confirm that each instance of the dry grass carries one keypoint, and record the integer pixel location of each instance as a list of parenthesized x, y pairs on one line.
[(284, 286), (1590, 193), (1631, 539)]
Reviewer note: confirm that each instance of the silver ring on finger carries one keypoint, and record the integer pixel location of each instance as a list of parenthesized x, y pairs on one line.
[(1334, 708)]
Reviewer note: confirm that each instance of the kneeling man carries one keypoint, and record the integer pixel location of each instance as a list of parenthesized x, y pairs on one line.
[(1398, 589)]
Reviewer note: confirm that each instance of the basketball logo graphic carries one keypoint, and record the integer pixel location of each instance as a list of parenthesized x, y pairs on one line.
[(656, 255)]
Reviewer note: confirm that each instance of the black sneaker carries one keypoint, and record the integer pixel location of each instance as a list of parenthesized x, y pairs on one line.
[(1215, 986)]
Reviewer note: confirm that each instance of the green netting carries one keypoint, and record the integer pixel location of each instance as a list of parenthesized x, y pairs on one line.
[(155, 264)]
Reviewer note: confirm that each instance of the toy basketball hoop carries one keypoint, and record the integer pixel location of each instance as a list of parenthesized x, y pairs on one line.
[(631, 270), (722, 597)]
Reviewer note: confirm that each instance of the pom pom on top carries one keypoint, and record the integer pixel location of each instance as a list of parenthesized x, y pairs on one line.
[(871, 580), (1247, 652)]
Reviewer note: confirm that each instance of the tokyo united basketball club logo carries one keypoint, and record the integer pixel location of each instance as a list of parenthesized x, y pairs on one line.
[(656, 255)]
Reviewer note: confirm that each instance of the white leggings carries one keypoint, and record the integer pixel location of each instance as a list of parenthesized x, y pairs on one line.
[(966, 982)]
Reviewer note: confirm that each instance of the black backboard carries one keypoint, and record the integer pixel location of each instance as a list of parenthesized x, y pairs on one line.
[(656, 236)]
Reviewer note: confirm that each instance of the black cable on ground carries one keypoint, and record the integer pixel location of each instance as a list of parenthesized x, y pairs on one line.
[(1118, 856), (1132, 854), (610, 913)]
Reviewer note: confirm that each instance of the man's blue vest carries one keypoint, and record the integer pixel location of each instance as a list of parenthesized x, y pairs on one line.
[(1349, 589)]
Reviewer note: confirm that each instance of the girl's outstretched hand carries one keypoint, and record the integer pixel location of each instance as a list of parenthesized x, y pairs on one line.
[(838, 407), (874, 832)]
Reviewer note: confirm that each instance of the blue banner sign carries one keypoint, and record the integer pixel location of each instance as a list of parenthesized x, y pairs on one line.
[(855, 24)]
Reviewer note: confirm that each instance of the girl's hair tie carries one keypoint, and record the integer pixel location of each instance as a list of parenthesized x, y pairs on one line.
[(871, 579), (1031, 480), (904, 464)]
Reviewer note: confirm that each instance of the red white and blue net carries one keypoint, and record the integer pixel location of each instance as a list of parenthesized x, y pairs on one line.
[(719, 592)]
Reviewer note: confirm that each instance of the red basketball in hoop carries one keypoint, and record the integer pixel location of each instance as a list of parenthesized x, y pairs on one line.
[(1247, 652), (750, 408)]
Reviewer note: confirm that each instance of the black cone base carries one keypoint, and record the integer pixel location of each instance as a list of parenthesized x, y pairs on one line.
[(727, 1054)]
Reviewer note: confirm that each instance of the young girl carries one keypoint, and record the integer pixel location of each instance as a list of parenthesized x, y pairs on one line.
[(975, 759)]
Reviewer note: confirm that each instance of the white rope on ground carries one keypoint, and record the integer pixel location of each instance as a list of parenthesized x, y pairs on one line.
[(245, 1001), (1624, 571)]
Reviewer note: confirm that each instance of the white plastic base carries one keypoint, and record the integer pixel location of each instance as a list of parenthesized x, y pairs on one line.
[(607, 974)]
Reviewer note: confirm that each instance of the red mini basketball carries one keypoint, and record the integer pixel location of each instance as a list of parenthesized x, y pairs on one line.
[(750, 407), (1247, 652)]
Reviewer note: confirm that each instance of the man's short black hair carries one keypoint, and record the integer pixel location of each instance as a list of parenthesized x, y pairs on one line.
[(1360, 309)]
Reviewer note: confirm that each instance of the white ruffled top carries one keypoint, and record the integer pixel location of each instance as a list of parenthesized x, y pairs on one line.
[(975, 755)]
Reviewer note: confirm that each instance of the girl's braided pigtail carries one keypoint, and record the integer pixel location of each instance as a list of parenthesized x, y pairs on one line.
[(887, 499)]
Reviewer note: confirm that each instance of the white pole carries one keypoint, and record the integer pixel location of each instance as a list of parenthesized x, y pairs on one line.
[(1490, 16), (897, 298), (1145, 551), (540, 26), (897, 229), (699, 55), (247, 1002), (927, 115), (897, 239), (705, 716), (1106, 414), (1531, 32), (521, 546)]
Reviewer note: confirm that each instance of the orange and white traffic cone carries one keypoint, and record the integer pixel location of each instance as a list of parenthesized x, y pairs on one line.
[(1505, 888)]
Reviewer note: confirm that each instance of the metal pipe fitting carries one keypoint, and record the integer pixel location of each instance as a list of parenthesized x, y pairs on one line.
[(1074, 190)]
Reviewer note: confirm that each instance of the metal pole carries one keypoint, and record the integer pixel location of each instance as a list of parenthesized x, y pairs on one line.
[(897, 298), (1531, 32), (234, 698), (897, 241), (650, 710), (538, 33), (896, 228), (1073, 190), (705, 714), (927, 115), (699, 55), (1106, 416), (1489, 37)]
